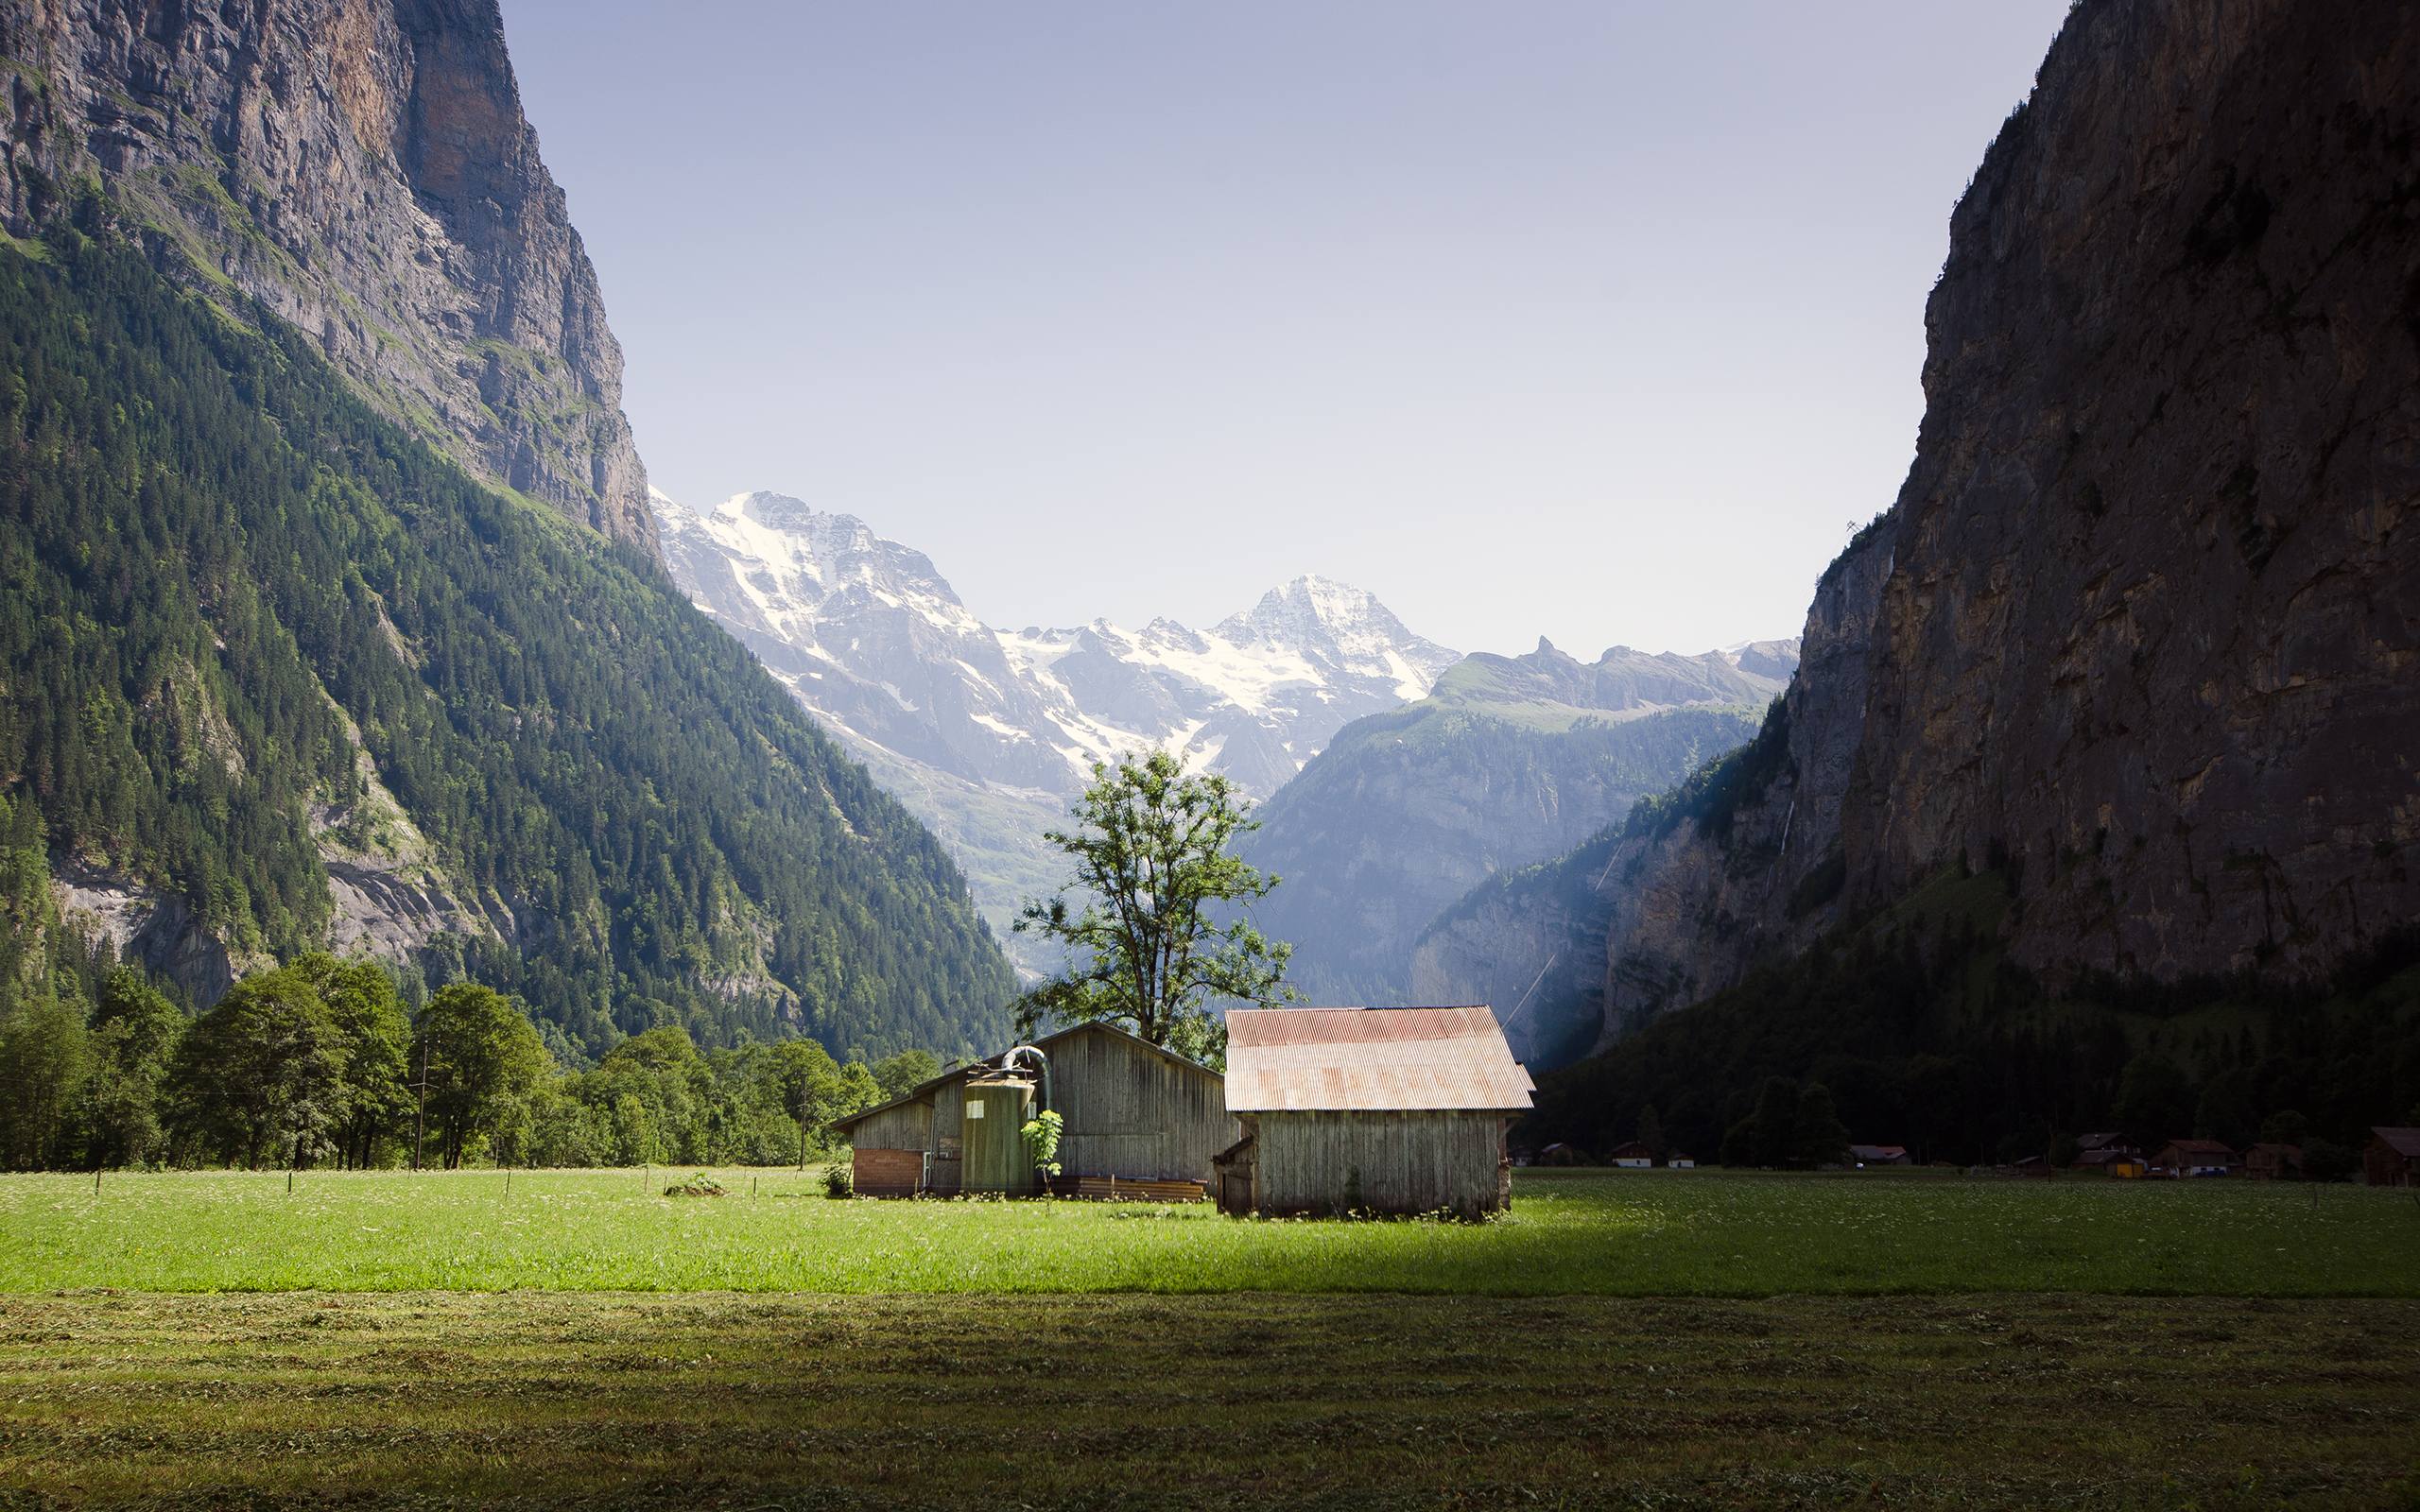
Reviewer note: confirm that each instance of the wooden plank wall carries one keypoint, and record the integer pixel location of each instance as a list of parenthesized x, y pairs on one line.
[(907, 1126), (1130, 1112), (1407, 1162)]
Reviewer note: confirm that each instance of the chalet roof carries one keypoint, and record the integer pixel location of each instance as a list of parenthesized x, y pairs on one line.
[(1877, 1152), (1627, 1150), (2101, 1142), (1371, 1060), (992, 1063), (2404, 1141)]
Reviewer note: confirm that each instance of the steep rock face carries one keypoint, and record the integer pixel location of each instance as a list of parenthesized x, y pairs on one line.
[(361, 168), (2141, 629), (2154, 628), (1747, 859)]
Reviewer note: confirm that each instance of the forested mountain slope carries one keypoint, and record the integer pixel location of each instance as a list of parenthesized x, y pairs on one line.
[(2104, 728), (278, 674)]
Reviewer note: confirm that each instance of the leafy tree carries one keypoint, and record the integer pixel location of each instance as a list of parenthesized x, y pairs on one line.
[(360, 996), (2285, 1127), (2326, 1160), (903, 1072), (134, 1034), (45, 1060), (1774, 1124), (2229, 1108), (807, 1083), (484, 1063), (2156, 1100), (1817, 1136), (1041, 1135), (1154, 869), (262, 1073)]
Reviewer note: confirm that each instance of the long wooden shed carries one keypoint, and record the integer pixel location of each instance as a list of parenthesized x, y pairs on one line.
[(1369, 1109), (1134, 1113)]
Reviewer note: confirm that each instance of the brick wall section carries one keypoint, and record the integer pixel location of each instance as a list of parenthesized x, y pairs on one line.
[(888, 1173)]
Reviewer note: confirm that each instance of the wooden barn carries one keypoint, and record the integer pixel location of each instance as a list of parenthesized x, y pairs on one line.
[(2391, 1159), (1140, 1122), (1376, 1110)]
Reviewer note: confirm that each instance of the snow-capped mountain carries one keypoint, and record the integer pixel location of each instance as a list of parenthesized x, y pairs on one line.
[(987, 733), (874, 638)]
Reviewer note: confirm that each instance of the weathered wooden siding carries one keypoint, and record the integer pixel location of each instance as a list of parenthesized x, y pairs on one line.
[(1130, 1112), (907, 1126), (948, 1146), (1401, 1162)]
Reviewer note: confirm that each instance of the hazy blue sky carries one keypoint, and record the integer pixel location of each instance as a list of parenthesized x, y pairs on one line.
[(1598, 320)]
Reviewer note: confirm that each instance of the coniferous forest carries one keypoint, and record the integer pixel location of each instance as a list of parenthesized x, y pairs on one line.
[(256, 632)]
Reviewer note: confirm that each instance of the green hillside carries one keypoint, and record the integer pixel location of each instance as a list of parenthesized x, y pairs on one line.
[(219, 570)]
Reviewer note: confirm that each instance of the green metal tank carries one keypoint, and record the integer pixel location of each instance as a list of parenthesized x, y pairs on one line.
[(996, 1109)]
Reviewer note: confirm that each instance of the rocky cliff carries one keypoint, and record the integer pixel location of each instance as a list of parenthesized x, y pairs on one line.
[(361, 168), (2141, 631)]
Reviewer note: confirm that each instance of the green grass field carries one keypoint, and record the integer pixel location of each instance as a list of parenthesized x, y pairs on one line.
[(1647, 1233), (1653, 1340)]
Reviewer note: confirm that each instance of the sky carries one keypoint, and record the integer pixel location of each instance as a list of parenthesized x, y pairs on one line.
[(1595, 320)]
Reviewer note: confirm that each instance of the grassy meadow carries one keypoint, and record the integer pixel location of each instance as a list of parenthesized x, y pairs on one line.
[(1620, 1339), (1635, 1233)]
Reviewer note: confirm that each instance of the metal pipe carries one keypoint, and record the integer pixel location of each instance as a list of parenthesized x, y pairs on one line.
[(1008, 1061)]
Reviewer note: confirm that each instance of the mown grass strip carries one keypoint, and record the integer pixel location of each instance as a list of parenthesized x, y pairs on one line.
[(1206, 1402)]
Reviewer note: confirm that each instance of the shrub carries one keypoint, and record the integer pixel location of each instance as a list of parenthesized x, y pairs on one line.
[(837, 1182)]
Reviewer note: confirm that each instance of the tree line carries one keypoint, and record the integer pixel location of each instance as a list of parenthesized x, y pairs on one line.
[(318, 1064), (1920, 1031)]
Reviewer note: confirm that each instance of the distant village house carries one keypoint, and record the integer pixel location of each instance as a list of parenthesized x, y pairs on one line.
[(2196, 1157), (2391, 1159)]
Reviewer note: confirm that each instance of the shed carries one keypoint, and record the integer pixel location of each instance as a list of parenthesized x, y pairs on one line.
[(1632, 1157), (1134, 1115), (2197, 1158), (2391, 1159), (2112, 1160), (2274, 1162), (1377, 1109), (1680, 1160)]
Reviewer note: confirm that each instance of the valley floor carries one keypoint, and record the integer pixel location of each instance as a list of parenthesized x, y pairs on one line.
[(1247, 1400)]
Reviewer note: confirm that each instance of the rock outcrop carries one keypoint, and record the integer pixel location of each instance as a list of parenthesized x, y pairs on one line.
[(2142, 628), (362, 168)]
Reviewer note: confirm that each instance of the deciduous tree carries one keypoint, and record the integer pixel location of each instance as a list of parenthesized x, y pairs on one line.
[(1154, 879), (484, 1061)]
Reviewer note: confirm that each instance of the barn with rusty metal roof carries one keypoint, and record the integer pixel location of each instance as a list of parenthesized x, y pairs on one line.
[(1369, 1109)]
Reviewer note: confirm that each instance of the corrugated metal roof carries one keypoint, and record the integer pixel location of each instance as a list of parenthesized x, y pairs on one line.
[(1370, 1060)]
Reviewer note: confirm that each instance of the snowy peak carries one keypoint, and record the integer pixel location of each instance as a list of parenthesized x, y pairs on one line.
[(871, 636)]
